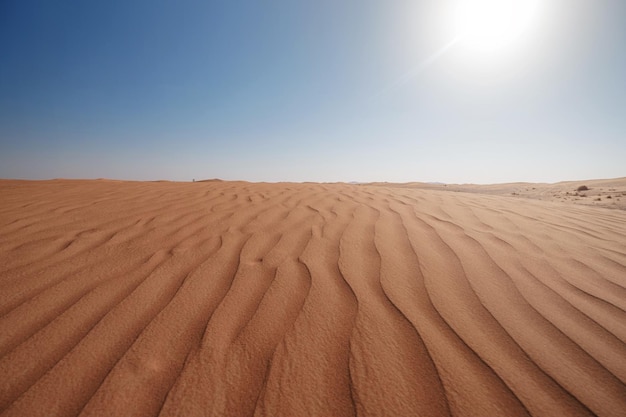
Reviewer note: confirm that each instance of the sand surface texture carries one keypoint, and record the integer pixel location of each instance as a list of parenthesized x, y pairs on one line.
[(609, 193), (238, 299)]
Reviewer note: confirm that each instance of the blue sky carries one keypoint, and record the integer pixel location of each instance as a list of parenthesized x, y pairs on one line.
[(307, 91)]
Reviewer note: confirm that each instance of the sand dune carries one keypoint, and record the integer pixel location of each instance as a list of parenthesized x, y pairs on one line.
[(237, 299), (608, 193)]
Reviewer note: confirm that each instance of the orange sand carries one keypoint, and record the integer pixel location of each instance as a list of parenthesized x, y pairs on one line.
[(239, 299)]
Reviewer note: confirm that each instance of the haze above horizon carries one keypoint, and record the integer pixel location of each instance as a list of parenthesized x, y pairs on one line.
[(313, 91)]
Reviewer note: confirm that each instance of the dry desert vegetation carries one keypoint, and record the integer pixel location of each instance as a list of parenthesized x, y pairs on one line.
[(249, 299)]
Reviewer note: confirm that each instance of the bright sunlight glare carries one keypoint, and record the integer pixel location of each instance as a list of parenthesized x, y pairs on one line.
[(488, 26)]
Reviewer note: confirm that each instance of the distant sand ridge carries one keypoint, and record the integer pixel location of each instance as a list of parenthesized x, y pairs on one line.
[(249, 299)]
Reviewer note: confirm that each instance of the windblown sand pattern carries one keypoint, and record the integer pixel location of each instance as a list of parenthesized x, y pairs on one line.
[(239, 299)]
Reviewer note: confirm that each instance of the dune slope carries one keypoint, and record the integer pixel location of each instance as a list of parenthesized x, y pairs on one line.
[(239, 299)]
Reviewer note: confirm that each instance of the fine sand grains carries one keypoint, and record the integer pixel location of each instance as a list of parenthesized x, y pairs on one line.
[(240, 299)]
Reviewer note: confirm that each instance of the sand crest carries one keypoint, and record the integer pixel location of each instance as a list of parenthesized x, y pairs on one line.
[(237, 299)]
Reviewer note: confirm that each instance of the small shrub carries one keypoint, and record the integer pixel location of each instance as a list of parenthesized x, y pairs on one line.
[(609, 196), (582, 188), (598, 199)]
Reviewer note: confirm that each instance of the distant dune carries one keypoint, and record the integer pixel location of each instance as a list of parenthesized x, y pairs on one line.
[(238, 299), (609, 193)]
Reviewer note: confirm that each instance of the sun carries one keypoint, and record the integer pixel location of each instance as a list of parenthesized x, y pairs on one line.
[(489, 26)]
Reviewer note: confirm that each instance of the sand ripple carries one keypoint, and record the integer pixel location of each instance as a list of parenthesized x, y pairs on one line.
[(238, 299)]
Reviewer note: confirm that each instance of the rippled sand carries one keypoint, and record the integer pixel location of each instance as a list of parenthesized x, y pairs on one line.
[(240, 299)]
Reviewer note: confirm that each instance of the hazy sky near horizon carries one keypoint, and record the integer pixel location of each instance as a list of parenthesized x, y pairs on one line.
[(323, 90)]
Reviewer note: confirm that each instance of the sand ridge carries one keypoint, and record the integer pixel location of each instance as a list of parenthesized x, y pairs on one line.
[(226, 298), (607, 193)]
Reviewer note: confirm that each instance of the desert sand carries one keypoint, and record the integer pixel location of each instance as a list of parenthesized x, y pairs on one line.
[(248, 299), (609, 193)]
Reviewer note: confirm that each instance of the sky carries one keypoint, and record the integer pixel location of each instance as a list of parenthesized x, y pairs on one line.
[(325, 90)]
